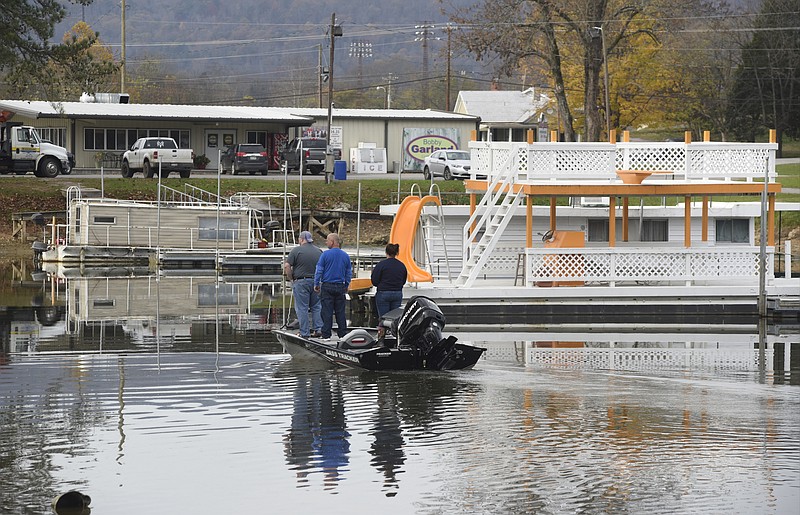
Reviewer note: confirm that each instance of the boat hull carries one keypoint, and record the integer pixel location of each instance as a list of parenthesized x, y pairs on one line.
[(378, 357)]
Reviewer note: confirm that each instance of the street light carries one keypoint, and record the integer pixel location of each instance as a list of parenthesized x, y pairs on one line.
[(387, 100), (595, 32)]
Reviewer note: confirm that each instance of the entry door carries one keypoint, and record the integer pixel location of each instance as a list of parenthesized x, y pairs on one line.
[(215, 141)]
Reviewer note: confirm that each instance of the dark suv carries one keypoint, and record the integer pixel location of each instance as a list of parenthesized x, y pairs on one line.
[(245, 157)]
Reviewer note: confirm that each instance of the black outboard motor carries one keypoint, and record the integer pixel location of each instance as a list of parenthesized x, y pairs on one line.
[(420, 325)]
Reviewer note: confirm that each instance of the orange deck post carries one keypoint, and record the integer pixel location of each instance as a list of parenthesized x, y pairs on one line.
[(705, 219), (612, 221), (528, 221), (625, 218), (687, 222)]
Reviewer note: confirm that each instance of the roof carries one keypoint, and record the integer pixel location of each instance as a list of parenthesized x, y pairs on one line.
[(383, 114), (287, 115), (502, 107), (99, 110)]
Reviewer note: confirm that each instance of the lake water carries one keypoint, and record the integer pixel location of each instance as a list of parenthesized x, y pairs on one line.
[(172, 396)]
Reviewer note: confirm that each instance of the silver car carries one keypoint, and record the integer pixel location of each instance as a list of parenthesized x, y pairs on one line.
[(450, 164)]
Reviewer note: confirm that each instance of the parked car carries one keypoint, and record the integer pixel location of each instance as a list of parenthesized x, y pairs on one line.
[(245, 157), (450, 164), (149, 155), (310, 151)]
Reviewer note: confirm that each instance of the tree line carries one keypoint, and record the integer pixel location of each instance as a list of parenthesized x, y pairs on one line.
[(618, 64)]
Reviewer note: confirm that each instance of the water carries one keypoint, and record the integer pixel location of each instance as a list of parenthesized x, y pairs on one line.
[(151, 411)]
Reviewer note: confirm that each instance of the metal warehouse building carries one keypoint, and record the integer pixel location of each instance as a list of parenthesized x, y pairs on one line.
[(99, 132)]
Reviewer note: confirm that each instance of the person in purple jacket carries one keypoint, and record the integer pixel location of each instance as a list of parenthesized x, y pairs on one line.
[(389, 276)]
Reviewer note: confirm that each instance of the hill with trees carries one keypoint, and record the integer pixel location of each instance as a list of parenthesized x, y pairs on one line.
[(732, 68)]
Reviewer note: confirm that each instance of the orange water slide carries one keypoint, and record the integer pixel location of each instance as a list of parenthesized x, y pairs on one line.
[(404, 232)]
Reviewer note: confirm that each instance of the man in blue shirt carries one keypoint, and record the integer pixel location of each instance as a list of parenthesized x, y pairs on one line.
[(331, 280)]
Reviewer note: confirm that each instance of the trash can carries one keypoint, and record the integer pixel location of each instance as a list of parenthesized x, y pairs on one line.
[(395, 166), (340, 170)]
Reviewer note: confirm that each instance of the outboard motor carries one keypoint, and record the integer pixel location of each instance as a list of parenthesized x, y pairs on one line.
[(420, 325)]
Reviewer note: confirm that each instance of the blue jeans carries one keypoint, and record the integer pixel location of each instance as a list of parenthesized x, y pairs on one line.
[(331, 295), (386, 301), (304, 298)]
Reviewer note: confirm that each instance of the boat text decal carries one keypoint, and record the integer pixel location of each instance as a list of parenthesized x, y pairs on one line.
[(340, 355)]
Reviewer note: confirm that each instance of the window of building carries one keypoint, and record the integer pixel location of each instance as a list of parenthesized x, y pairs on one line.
[(55, 135), (111, 220), (228, 228), (733, 230), (259, 137), (655, 230), (122, 139), (598, 230)]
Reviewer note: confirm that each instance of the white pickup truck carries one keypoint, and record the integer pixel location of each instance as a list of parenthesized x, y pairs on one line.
[(148, 153), (23, 151)]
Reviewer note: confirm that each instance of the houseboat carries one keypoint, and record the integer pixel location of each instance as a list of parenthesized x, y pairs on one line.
[(566, 229), (190, 229)]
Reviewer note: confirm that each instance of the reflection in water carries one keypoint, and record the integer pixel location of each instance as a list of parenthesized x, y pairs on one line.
[(772, 358), (318, 438), (200, 412)]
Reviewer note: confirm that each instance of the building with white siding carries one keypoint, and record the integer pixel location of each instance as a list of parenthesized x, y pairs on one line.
[(97, 133)]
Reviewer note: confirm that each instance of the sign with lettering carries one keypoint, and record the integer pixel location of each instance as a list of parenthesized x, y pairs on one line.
[(419, 143)]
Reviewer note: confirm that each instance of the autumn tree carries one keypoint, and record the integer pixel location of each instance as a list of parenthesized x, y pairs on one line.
[(29, 58), (767, 86), (555, 34)]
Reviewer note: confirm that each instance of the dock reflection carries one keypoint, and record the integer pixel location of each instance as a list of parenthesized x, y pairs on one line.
[(776, 356)]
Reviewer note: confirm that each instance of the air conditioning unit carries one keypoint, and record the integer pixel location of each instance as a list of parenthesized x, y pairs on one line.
[(594, 201)]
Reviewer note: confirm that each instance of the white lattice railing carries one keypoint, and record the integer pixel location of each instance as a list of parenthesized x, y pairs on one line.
[(649, 358), (654, 265), (695, 161)]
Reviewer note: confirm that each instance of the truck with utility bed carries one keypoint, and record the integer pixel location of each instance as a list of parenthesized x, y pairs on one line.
[(310, 151), (22, 150), (147, 153)]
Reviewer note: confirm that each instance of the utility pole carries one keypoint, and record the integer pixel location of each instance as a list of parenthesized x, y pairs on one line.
[(319, 75), (334, 31), (601, 32), (122, 54), (424, 33), (447, 80)]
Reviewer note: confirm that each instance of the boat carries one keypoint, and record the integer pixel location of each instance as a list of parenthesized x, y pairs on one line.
[(407, 338), (637, 232)]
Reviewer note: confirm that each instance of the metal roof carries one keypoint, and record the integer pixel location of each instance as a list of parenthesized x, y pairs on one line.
[(383, 114), (98, 110), (286, 115), (502, 107)]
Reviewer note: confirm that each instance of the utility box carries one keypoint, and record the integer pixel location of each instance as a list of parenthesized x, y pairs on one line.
[(367, 158)]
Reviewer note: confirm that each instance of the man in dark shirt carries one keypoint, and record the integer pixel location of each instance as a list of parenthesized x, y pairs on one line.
[(331, 281), (299, 267)]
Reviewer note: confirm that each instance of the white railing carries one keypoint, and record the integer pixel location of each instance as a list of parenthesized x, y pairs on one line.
[(600, 161), (654, 265)]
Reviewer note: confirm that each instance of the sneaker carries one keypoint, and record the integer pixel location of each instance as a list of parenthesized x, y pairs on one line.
[(316, 334), (325, 338)]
